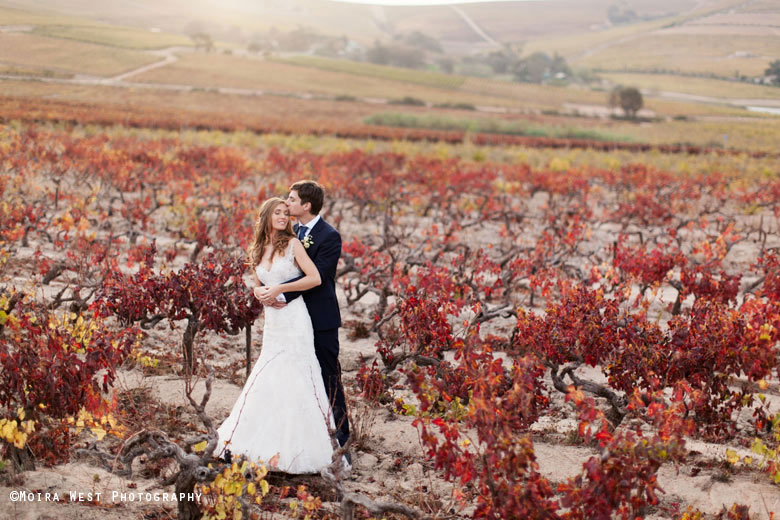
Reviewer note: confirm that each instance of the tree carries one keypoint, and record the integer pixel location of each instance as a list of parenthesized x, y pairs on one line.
[(209, 295), (534, 68), (501, 61), (446, 65), (378, 54), (396, 55), (627, 98), (539, 67), (203, 40), (559, 65), (622, 13), (773, 71), (423, 41)]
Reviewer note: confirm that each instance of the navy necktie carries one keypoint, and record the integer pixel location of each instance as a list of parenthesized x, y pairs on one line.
[(301, 232)]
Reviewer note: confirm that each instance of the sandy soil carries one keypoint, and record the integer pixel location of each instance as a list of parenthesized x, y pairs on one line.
[(388, 461)]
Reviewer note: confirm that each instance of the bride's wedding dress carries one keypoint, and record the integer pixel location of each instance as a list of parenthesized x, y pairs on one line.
[(283, 408)]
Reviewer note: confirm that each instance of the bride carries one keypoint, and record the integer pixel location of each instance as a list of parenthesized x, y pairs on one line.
[(282, 415)]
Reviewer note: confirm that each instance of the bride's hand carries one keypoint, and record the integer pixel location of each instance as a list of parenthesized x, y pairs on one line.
[(267, 295), (261, 293), (273, 292)]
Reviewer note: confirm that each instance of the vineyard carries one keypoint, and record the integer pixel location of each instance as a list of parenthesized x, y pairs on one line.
[(535, 327)]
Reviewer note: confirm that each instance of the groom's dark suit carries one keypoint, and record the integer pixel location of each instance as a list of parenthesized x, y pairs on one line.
[(325, 251)]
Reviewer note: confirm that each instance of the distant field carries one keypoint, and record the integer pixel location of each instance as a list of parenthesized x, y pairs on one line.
[(696, 86), (533, 95), (545, 97), (760, 6), (686, 52), (212, 70), (430, 79), (141, 99), (575, 46), (39, 52), (699, 41), (90, 31), (690, 109), (11, 16), (755, 133), (215, 70), (24, 70), (531, 20), (519, 21), (126, 37), (489, 126)]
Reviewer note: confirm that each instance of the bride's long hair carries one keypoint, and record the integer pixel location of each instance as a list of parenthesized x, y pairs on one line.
[(264, 235)]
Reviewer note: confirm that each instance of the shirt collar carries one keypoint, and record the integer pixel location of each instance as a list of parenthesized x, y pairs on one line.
[(311, 224)]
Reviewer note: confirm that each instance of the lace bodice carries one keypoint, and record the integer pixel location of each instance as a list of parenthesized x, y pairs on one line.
[(282, 268)]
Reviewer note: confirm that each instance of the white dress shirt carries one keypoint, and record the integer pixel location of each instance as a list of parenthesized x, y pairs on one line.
[(310, 225)]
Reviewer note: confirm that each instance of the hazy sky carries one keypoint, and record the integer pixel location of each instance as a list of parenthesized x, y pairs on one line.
[(428, 2)]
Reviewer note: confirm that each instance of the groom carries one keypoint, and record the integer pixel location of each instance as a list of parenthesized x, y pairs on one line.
[(323, 245)]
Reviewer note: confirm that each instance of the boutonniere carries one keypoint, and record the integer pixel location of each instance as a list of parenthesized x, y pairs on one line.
[(307, 241)]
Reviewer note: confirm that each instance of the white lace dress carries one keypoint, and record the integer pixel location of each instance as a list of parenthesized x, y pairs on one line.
[(283, 408)]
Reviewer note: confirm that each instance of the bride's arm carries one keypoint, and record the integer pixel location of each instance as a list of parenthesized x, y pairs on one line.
[(310, 279), (258, 284)]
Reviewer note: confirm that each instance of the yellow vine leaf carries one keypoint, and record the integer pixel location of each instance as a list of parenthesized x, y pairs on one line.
[(732, 456), (758, 447), (20, 439), (9, 427)]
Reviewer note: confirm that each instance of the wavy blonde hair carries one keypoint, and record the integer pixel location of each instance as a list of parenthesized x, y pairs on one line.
[(264, 231)]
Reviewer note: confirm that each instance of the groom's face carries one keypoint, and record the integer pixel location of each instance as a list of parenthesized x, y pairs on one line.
[(294, 204)]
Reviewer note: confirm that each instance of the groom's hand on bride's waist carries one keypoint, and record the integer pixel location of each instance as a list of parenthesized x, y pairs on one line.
[(264, 294)]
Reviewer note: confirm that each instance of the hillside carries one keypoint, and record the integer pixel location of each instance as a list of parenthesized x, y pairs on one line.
[(724, 38), (135, 56)]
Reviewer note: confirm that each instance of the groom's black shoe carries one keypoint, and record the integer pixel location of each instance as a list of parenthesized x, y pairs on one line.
[(348, 458)]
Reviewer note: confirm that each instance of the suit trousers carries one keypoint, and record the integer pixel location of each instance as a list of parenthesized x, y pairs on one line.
[(326, 346)]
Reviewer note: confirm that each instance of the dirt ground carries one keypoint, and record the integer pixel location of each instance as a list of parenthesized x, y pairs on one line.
[(388, 461), (388, 458)]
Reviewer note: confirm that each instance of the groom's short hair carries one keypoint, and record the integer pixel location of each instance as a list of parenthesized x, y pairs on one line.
[(310, 191)]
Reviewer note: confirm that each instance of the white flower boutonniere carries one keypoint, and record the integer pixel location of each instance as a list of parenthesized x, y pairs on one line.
[(307, 241)]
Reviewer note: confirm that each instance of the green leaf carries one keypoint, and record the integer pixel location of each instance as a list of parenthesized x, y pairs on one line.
[(758, 447)]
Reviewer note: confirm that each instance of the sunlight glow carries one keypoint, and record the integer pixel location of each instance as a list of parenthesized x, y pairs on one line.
[(388, 3)]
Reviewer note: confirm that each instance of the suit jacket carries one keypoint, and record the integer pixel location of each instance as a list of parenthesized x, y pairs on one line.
[(325, 251)]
